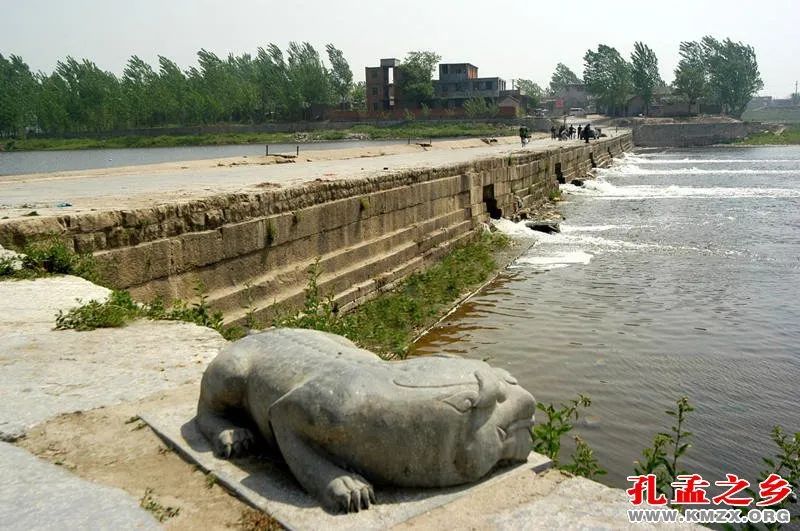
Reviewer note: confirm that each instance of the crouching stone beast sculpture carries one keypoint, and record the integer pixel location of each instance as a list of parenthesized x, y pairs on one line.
[(343, 418)]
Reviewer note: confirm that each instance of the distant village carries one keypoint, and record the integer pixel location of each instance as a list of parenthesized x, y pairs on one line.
[(460, 83)]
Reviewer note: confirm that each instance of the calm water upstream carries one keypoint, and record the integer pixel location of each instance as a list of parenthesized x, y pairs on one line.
[(15, 163), (677, 273)]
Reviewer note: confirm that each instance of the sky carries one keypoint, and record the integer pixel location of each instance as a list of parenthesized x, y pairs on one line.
[(524, 39)]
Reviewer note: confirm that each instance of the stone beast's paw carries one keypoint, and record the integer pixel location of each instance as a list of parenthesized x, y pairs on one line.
[(349, 494), (234, 442)]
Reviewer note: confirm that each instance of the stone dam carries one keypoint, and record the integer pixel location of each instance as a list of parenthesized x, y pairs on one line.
[(251, 249)]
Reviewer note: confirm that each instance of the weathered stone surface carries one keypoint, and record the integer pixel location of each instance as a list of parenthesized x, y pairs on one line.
[(333, 408), (37, 495), (48, 372)]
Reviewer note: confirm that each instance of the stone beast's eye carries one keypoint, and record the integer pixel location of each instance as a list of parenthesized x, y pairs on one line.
[(462, 401)]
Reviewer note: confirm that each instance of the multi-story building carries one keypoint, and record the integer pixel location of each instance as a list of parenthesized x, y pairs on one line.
[(381, 82), (459, 82)]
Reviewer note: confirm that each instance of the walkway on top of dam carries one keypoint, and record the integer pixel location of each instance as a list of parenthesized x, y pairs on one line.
[(149, 185)]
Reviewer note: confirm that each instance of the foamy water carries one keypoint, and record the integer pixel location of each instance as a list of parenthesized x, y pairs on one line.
[(664, 281)]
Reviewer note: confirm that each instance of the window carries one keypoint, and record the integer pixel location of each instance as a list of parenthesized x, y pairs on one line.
[(374, 74), (374, 106), (374, 91)]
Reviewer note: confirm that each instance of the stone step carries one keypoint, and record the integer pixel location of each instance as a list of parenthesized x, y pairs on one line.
[(231, 299), (338, 281)]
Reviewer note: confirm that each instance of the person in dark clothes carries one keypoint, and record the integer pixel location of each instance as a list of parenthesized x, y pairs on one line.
[(561, 132), (580, 133), (587, 132), (571, 132), (553, 132)]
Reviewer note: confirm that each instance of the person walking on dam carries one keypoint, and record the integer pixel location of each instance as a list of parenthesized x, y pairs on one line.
[(553, 132), (587, 131), (580, 132), (524, 135)]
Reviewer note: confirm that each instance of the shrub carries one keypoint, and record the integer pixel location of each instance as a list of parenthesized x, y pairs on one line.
[(116, 311), (50, 256)]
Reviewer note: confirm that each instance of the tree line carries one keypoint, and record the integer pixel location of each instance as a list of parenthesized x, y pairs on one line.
[(710, 71), (78, 96)]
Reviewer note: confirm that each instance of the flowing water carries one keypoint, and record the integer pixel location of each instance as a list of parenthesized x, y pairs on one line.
[(676, 273)]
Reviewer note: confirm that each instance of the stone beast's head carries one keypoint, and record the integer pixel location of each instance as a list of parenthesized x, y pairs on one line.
[(483, 416)]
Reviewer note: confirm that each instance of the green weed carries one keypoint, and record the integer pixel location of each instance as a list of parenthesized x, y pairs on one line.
[(120, 309), (546, 434), (584, 463), (663, 457), (785, 463), (49, 256), (162, 513)]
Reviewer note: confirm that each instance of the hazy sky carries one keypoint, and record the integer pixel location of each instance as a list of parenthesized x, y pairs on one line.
[(523, 39)]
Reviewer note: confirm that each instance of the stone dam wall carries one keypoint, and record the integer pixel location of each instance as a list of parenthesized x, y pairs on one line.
[(691, 134), (253, 250)]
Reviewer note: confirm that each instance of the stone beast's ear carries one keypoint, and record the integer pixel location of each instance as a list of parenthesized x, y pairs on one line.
[(490, 390)]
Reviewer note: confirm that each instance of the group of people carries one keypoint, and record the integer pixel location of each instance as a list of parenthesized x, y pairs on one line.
[(570, 133), (563, 133)]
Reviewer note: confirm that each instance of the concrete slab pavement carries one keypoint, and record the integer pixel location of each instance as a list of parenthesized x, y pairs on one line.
[(46, 372), (37, 495)]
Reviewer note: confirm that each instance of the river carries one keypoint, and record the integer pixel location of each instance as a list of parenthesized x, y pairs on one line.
[(21, 162), (676, 273)]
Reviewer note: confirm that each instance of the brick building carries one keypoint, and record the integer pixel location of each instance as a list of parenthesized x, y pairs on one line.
[(381, 82), (459, 82)]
